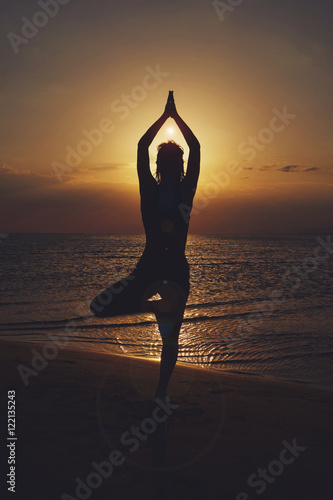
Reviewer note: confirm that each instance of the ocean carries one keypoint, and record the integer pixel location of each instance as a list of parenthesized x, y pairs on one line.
[(257, 305)]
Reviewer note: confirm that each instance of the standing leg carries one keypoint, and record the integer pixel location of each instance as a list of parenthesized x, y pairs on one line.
[(169, 357), (169, 314)]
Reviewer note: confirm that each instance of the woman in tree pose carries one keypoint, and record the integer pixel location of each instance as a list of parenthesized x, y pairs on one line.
[(166, 203)]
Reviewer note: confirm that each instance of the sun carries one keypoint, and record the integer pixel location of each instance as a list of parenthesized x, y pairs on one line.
[(171, 131)]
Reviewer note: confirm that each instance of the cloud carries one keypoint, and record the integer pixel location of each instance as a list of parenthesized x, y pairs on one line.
[(263, 168), (22, 180), (103, 166), (6, 169), (297, 168), (289, 168)]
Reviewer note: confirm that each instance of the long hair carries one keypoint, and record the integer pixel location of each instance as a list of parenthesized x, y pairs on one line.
[(169, 159)]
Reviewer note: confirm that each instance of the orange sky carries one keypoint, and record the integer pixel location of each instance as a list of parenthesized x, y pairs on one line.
[(254, 87)]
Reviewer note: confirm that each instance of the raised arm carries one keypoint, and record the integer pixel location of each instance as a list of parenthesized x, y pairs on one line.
[(193, 164), (144, 173)]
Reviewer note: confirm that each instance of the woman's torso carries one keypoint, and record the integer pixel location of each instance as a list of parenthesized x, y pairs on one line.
[(165, 213)]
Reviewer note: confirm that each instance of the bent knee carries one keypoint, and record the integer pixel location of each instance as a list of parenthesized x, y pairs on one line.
[(101, 303), (96, 308)]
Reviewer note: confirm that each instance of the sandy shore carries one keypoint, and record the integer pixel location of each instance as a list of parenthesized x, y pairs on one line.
[(86, 427)]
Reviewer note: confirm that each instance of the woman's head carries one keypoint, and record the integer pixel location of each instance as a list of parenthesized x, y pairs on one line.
[(170, 163)]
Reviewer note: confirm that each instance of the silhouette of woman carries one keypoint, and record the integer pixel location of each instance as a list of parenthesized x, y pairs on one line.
[(166, 203)]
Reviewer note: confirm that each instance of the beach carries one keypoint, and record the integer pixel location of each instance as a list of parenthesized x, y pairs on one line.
[(87, 427)]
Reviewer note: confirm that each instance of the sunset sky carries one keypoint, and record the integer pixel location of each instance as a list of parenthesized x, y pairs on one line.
[(255, 87)]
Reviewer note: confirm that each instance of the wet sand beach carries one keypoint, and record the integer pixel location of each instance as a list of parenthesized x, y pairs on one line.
[(87, 427)]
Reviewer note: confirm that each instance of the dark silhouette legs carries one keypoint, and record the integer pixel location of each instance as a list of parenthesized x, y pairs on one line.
[(169, 312), (133, 297), (169, 357)]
